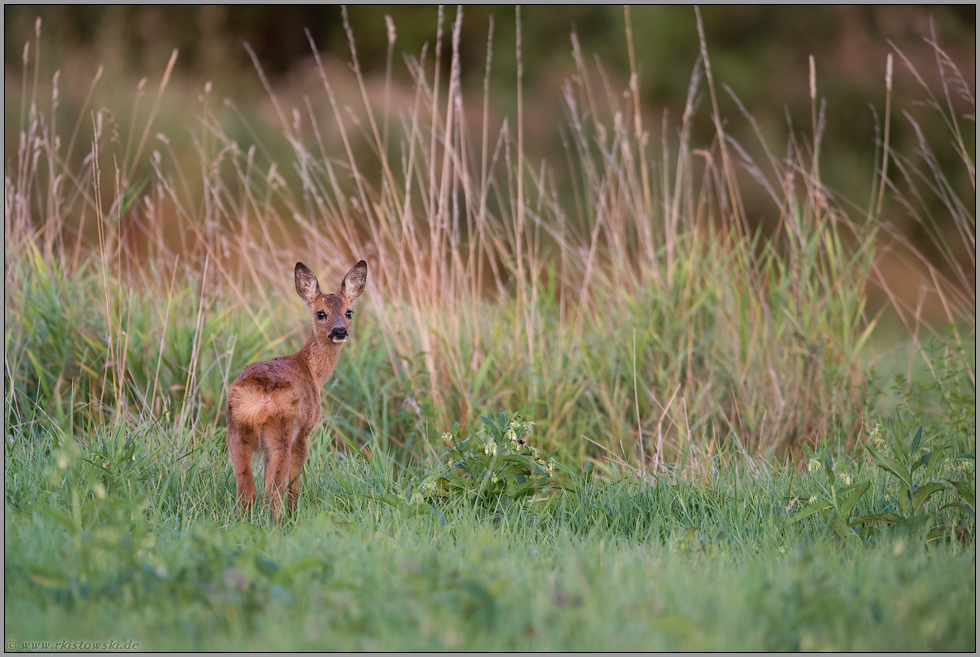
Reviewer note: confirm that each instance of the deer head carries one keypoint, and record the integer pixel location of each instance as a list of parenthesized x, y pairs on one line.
[(331, 312)]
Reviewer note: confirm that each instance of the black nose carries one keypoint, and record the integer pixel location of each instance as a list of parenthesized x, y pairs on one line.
[(339, 333)]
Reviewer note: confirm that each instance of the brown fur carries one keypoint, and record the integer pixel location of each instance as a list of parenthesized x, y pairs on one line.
[(274, 404)]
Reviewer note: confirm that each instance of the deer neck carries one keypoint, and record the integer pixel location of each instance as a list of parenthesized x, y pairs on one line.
[(320, 359)]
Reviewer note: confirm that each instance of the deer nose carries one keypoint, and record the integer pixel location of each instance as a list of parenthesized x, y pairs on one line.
[(339, 333)]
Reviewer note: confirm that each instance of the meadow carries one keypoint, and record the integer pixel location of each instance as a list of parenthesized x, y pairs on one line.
[(596, 404)]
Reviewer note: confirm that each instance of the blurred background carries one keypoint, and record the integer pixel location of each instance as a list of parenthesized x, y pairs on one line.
[(760, 53), (204, 161)]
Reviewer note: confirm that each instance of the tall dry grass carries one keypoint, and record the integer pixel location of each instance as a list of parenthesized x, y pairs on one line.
[(635, 314)]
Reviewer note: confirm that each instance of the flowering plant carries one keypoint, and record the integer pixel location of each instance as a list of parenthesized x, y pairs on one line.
[(497, 463)]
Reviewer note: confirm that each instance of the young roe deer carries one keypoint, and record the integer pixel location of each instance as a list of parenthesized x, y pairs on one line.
[(275, 404)]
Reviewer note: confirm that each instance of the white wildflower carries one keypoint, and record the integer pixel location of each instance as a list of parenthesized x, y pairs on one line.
[(876, 437)]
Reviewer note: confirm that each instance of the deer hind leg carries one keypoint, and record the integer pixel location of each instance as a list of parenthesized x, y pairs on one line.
[(241, 441), (299, 453), (277, 437)]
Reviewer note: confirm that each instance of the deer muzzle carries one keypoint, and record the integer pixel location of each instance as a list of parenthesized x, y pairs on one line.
[(338, 335)]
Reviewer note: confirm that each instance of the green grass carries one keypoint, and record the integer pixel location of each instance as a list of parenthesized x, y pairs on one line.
[(106, 542), (713, 464)]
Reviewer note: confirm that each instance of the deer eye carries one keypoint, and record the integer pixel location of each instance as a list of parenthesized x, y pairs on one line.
[(350, 313), (321, 315)]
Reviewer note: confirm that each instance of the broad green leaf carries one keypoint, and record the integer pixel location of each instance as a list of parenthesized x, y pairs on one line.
[(891, 465), (923, 493), (511, 471), (916, 523), (860, 489), (931, 460), (459, 482), (899, 447), (808, 511), (935, 461), (877, 517), (916, 441), (904, 500), (842, 530), (419, 509), (958, 505), (828, 466), (868, 530), (966, 492)]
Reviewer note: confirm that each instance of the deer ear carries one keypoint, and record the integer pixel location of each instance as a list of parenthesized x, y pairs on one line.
[(353, 283), (307, 286)]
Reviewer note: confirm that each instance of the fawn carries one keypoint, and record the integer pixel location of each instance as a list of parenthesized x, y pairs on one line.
[(274, 404)]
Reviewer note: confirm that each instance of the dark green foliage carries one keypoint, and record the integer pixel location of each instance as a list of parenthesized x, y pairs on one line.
[(924, 476), (507, 467)]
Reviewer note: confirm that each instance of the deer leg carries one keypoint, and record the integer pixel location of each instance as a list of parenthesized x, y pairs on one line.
[(299, 453), (277, 462), (241, 441)]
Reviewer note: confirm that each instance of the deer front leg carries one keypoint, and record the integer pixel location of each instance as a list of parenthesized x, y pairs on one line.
[(241, 441)]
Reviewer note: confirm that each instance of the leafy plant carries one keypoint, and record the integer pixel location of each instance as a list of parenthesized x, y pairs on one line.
[(940, 415), (837, 501), (914, 477), (964, 482), (913, 467), (506, 468)]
